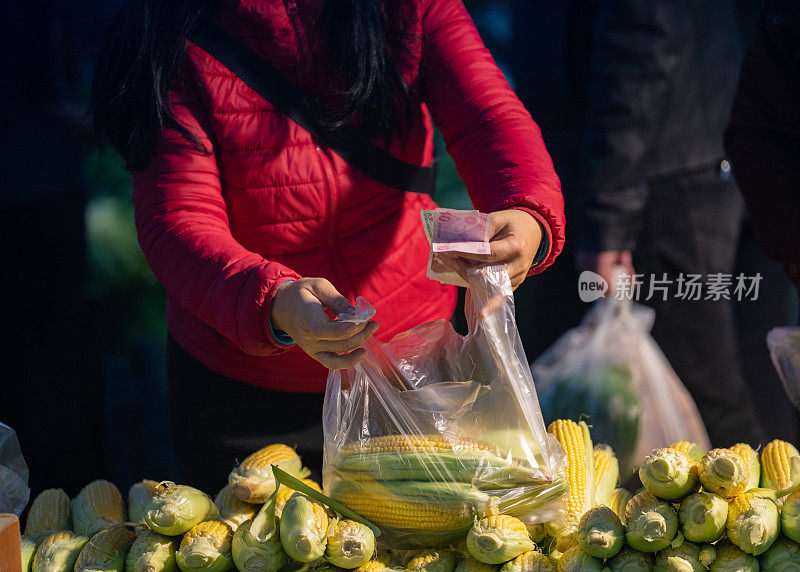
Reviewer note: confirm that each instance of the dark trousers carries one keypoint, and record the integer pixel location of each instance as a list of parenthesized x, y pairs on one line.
[(217, 422)]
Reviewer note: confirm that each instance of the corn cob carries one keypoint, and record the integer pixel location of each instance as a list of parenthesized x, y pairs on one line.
[(775, 466), (703, 517), (433, 561), (381, 562), (619, 500), (151, 552), (50, 512), (600, 532), (606, 474), (652, 523), (783, 556), (694, 450), (724, 472), (304, 528), (256, 546), (731, 559), (175, 509), (285, 492), (232, 510), (577, 444), (790, 516), (669, 474), (470, 564), (98, 506), (630, 560), (683, 558), (138, 496), (206, 547), (252, 480), (576, 560), (498, 539), (750, 457), (58, 552), (106, 550), (417, 443), (27, 550), (753, 523), (531, 561), (351, 544)]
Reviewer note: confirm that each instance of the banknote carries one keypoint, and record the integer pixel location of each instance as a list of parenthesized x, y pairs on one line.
[(449, 230)]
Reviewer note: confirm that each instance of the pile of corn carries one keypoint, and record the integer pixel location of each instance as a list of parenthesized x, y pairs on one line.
[(723, 510)]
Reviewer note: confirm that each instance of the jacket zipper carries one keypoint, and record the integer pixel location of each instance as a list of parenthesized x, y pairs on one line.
[(299, 30)]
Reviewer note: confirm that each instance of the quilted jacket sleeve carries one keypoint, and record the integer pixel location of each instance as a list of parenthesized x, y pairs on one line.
[(182, 224), (497, 147)]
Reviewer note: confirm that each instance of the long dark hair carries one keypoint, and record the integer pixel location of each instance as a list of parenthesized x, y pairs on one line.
[(146, 44)]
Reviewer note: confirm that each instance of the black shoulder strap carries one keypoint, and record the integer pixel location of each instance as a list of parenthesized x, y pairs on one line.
[(289, 99)]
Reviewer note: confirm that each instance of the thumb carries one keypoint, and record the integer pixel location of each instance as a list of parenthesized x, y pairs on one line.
[(330, 297)]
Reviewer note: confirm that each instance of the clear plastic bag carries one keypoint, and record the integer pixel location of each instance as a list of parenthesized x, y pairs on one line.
[(784, 348), (14, 491), (433, 429), (610, 372)]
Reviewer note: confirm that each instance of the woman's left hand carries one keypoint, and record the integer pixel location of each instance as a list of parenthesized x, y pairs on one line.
[(515, 239)]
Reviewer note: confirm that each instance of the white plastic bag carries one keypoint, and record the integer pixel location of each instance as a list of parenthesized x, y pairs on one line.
[(784, 348), (14, 491), (473, 396), (610, 372)]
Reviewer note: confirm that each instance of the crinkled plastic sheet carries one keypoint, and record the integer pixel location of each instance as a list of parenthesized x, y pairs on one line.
[(432, 382), (14, 491), (610, 372), (784, 348)]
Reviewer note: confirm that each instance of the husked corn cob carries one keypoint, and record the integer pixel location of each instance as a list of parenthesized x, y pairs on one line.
[(731, 559), (703, 517), (724, 472), (618, 502), (381, 562), (99, 505), (694, 450), (433, 561), (106, 550), (50, 512), (252, 480), (531, 561), (790, 516), (351, 545), (652, 523), (669, 474), (27, 550), (151, 552), (498, 539), (175, 509), (285, 492), (600, 532), (750, 457), (256, 546), (232, 510), (577, 444), (138, 496), (606, 474), (631, 560), (775, 467), (682, 558), (753, 523), (576, 560), (416, 443), (207, 547), (783, 556), (58, 552), (304, 528)]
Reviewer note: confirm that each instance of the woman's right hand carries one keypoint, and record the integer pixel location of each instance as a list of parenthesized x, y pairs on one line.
[(298, 309)]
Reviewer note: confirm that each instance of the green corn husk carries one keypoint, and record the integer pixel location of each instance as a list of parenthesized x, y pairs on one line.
[(533, 561), (600, 532), (206, 547), (106, 551), (256, 546), (151, 552), (630, 560), (303, 529), (58, 552), (694, 450), (470, 564), (703, 516), (683, 558), (652, 523), (783, 556), (708, 553), (138, 496), (496, 540), (98, 506), (731, 559), (576, 560), (50, 512), (232, 510), (753, 523), (27, 550), (669, 474), (433, 561), (790, 516), (537, 531), (351, 544), (175, 509)]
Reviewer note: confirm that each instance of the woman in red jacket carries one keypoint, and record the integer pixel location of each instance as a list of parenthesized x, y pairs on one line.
[(256, 229)]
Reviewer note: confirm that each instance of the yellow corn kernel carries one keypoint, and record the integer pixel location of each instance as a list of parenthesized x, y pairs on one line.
[(724, 472), (285, 492), (694, 450), (218, 533), (606, 474), (392, 443), (252, 479), (232, 510), (398, 513), (574, 438), (775, 469), (750, 457), (619, 500)]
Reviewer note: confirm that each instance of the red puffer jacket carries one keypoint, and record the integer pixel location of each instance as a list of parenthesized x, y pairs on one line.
[(222, 230)]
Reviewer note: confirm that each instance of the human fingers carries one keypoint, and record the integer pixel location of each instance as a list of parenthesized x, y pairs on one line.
[(346, 345), (333, 360)]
